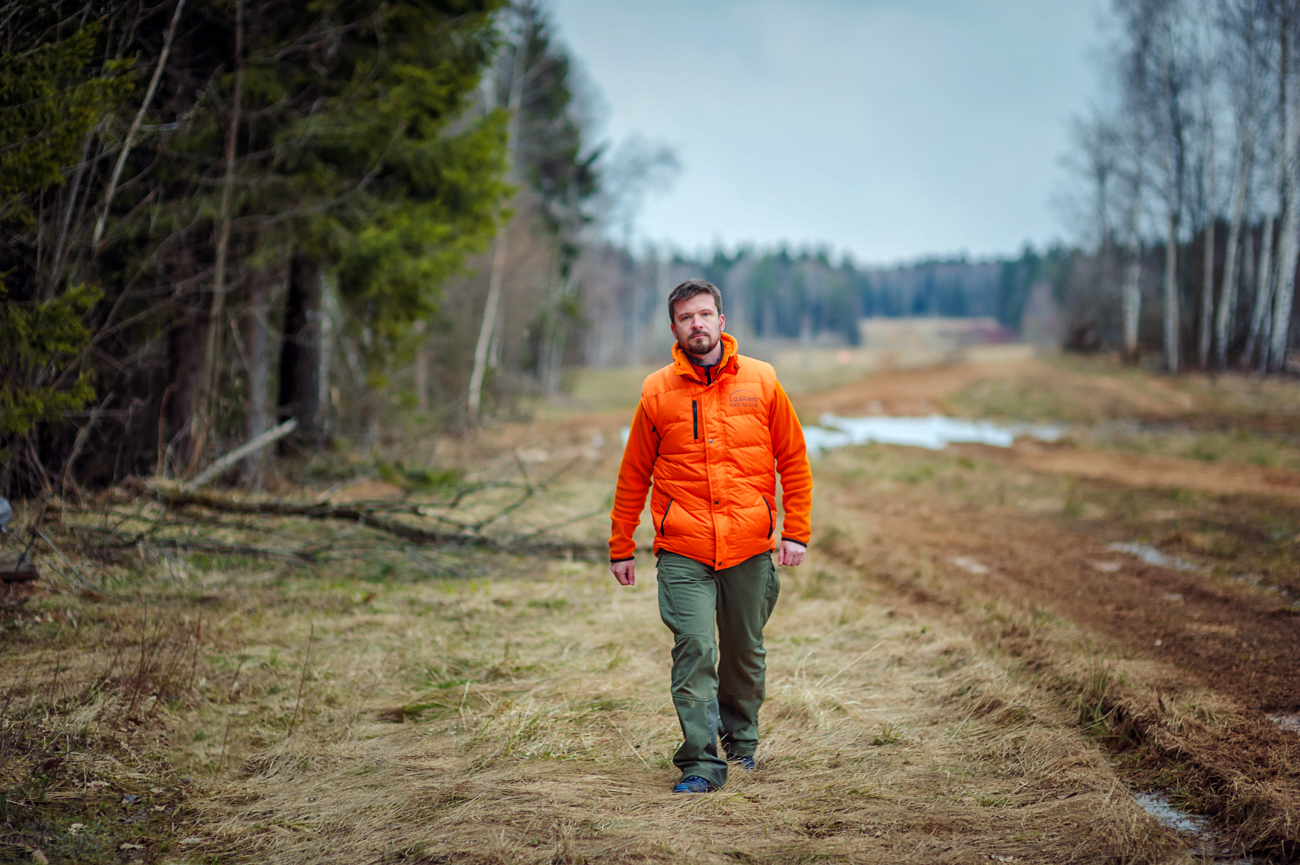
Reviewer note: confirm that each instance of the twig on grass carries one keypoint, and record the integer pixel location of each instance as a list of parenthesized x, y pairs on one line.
[(852, 663), (633, 748), (224, 739), (302, 680)]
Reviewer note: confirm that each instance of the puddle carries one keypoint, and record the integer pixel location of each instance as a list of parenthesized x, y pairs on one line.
[(1158, 806), (934, 432), (1194, 828), (1152, 556)]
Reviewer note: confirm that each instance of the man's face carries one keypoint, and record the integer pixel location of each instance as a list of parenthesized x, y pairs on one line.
[(697, 325)]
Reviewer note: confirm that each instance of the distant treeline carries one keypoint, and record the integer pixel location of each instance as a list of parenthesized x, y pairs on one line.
[(805, 294)]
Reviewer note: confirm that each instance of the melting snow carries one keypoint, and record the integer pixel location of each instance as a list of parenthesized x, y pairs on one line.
[(1287, 722), (1152, 556), (934, 432)]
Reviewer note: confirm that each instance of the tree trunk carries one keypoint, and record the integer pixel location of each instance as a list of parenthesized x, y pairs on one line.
[(1171, 319), (1228, 294), (259, 376), (1280, 331), (1207, 297), (1131, 292), (1131, 303), (185, 362), (487, 327), (210, 377), (1278, 345), (422, 362), (329, 318), (518, 68), (300, 350), (1263, 294)]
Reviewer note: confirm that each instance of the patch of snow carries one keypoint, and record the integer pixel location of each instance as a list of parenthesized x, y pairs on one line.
[(1287, 722), (969, 565), (1152, 556), (1159, 806), (934, 432)]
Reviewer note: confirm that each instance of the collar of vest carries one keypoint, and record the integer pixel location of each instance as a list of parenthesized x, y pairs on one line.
[(730, 351)]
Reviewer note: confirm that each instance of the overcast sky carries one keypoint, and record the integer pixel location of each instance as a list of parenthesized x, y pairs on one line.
[(885, 128)]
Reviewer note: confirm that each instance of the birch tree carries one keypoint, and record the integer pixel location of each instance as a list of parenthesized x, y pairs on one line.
[(1242, 55)]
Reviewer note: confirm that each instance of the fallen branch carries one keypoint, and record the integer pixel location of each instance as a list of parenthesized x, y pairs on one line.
[(228, 461), (207, 546), (184, 495)]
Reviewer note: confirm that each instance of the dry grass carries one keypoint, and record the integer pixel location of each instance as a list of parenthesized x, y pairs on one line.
[(526, 719), (384, 703)]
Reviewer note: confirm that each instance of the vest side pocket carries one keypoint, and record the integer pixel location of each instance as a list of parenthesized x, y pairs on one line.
[(664, 519), (771, 518)]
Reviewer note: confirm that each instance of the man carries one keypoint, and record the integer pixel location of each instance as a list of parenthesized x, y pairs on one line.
[(709, 429)]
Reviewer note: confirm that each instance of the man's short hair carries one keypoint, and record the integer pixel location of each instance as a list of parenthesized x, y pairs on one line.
[(688, 289)]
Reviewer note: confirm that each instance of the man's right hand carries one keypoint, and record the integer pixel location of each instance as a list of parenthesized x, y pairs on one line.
[(624, 572)]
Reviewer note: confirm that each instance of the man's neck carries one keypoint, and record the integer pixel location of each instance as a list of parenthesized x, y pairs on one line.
[(713, 358)]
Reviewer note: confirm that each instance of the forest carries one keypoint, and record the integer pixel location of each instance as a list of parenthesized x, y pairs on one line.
[(223, 215), (1185, 177)]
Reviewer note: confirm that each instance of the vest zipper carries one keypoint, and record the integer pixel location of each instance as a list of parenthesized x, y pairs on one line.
[(771, 524), (695, 418), (664, 519)]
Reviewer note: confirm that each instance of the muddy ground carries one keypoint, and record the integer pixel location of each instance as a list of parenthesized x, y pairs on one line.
[(966, 669)]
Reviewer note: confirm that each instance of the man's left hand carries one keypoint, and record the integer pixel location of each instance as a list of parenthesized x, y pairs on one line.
[(790, 553)]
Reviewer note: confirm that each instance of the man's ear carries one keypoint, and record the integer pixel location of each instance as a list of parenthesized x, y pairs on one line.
[(722, 322)]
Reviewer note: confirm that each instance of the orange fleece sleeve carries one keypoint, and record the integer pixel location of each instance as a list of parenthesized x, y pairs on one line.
[(792, 463), (634, 474)]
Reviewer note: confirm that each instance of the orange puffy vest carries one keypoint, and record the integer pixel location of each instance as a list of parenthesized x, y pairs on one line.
[(712, 449)]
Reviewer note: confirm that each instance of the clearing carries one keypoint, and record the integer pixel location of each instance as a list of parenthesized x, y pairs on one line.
[(978, 662)]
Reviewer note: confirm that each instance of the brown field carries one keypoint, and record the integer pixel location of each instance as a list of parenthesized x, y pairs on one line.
[(963, 671)]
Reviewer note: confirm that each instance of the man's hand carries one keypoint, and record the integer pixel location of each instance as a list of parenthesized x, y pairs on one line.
[(791, 553), (625, 572)]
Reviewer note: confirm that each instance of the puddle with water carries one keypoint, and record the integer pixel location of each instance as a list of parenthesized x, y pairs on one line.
[(1193, 828)]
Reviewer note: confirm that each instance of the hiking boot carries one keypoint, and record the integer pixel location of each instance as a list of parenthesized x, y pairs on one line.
[(744, 761), (694, 784)]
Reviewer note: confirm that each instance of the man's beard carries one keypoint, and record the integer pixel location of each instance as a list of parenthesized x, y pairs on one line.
[(693, 343)]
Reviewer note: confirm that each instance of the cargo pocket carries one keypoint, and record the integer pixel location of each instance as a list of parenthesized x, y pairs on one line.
[(773, 588)]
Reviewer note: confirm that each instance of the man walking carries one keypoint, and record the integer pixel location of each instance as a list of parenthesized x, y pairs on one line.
[(708, 431)]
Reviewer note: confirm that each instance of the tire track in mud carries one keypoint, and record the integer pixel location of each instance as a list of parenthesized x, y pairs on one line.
[(1182, 634)]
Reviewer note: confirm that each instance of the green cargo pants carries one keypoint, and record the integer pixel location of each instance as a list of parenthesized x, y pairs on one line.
[(717, 684)]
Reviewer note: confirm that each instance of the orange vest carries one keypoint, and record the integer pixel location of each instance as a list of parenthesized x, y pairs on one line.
[(712, 446)]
